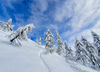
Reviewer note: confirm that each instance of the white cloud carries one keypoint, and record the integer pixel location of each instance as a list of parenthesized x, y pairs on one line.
[(86, 33), (43, 5), (64, 11), (52, 27), (85, 16), (83, 13)]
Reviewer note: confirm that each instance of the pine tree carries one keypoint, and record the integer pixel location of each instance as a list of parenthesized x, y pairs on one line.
[(20, 34), (96, 39), (81, 52), (49, 41), (93, 53), (60, 49), (69, 52)]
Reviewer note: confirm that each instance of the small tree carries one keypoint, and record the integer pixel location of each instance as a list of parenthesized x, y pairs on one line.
[(40, 41), (1, 24), (60, 49), (37, 41), (49, 41), (69, 52), (7, 26), (96, 39), (93, 53), (81, 52), (20, 34)]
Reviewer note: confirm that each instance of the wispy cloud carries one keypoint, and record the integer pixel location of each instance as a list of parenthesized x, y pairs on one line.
[(84, 15)]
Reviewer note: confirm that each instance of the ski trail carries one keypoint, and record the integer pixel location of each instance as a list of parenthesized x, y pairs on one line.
[(40, 54)]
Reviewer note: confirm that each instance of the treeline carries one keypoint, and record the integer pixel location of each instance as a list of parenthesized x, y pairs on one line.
[(86, 53)]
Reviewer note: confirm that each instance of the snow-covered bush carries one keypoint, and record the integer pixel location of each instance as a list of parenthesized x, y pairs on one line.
[(20, 34), (6, 26), (49, 41)]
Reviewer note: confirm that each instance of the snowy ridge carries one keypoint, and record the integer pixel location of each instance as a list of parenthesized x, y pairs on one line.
[(30, 57)]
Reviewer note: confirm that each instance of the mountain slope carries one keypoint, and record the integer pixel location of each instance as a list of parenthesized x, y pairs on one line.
[(31, 57)]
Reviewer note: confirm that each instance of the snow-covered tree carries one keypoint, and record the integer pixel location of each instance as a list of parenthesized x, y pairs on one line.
[(60, 49), (57, 35), (7, 26), (69, 52), (37, 41), (93, 53), (40, 41), (81, 52), (20, 34), (96, 39), (49, 41), (1, 24)]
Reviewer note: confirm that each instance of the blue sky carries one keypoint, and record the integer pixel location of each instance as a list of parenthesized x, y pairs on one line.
[(70, 17)]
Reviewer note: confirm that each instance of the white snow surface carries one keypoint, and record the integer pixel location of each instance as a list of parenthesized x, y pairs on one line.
[(30, 57)]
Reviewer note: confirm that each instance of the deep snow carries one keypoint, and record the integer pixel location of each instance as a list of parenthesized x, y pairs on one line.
[(31, 57)]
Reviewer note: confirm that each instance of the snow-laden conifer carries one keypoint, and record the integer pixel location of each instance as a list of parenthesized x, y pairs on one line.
[(40, 41), (69, 52), (20, 34), (60, 49), (93, 52), (6, 26), (49, 41), (37, 41), (81, 52), (96, 40)]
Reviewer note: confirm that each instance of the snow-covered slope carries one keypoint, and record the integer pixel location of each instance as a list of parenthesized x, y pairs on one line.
[(30, 57)]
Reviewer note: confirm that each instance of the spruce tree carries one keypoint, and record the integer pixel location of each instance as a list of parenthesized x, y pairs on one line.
[(69, 52), (93, 53), (60, 49), (96, 39), (81, 52), (49, 41)]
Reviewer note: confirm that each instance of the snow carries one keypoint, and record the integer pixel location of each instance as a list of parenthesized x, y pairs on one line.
[(31, 57)]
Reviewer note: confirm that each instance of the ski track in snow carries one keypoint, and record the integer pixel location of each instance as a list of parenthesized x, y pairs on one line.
[(40, 54)]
